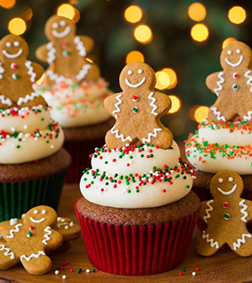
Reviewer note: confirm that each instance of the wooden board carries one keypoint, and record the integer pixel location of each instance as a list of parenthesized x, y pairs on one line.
[(225, 266)]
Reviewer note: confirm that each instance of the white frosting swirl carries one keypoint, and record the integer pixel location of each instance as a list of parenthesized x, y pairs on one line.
[(219, 146), (136, 177), (77, 104), (28, 134)]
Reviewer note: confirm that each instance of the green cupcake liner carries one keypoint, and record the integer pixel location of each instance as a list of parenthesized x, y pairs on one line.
[(18, 198)]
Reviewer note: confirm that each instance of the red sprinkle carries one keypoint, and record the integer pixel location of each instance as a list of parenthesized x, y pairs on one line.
[(181, 273), (197, 268)]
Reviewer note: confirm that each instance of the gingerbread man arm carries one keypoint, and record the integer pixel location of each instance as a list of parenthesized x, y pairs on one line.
[(42, 53), (213, 81), (204, 209), (52, 239), (87, 42), (112, 103), (162, 101), (243, 203), (38, 70)]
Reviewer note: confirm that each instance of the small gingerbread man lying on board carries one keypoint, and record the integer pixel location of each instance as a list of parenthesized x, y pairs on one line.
[(17, 74), (233, 85), (66, 53), (138, 109), (30, 239), (226, 216)]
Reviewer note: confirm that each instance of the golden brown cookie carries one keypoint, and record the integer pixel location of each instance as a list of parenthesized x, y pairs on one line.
[(17, 74), (138, 109), (226, 216), (233, 85), (28, 240), (66, 53)]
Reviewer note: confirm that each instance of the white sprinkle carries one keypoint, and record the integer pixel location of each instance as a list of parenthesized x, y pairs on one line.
[(193, 273), (13, 144), (56, 272), (66, 227), (63, 276), (52, 146), (25, 126), (87, 270), (12, 129), (71, 224)]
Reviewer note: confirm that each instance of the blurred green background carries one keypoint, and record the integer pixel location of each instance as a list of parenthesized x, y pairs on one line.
[(171, 43)]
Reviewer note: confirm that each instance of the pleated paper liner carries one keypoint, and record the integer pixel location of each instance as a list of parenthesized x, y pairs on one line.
[(18, 198), (80, 151), (137, 250)]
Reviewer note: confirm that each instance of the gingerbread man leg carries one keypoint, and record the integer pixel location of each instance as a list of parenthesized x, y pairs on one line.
[(119, 136), (159, 135), (7, 256), (208, 244), (24, 102), (93, 73), (216, 112), (36, 263), (245, 111), (241, 242)]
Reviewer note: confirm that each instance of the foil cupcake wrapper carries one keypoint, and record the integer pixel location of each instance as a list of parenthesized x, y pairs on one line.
[(137, 250), (18, 198)]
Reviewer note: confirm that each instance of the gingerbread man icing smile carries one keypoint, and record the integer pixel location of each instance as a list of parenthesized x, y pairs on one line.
[(138, 109)]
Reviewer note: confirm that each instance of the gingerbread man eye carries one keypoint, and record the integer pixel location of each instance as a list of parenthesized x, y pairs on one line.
[(62, 23), (238, 51), (220, 180), (140, 71), (43, 211), (229, 52), (230, 179), (16, 43), (130, 72), (8, 44), (55, 25), (35, 211)]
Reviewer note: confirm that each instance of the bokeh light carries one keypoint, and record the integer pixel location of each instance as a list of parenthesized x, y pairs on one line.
[(39, 82), (134, 56), (227, 41), (162, 79), (7, 4), (133, 14), (173, 77), (177, 127), (199, 113), (89, 60), (27, 14), (176, 104), (199, 32), (66, 10), (237, 15), (17, 26), (143, 34), (197, 12)]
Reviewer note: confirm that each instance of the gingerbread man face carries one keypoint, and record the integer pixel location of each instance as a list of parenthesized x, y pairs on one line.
[(59, 28), (137, 75), (13, 47), (42, 216), (225, 184), (235, 55)]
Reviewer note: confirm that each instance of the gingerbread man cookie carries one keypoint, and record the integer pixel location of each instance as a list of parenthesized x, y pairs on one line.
[(17, 74), (138, 109), (233, 85), (65, 53), (226, 216), (69, 230), (29, 240)]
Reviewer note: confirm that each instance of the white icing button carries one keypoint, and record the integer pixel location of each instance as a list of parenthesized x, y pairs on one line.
[(220, 180), (130, 72), (230, 179)]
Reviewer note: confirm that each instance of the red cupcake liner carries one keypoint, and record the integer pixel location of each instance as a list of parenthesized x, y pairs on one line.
[(137, 250), (80, 151)]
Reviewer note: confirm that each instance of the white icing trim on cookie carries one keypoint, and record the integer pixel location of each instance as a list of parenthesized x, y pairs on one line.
[(118, 97), (148, 140), (218, 114), (243, 210), (61, 34), (37, 221), (51, 53), (211, 241), (228, 192), (4, 100), (28, 258), (7, 253), (82, 73), (207, 210), (28, 64), (27, 98), (219, 83), (16, 230), (46, 236), (234, 64), (152, 104), (249, 82), (80, 46), (116, 132), (12, 56), (248, 117), (135, 85), (241, 241)]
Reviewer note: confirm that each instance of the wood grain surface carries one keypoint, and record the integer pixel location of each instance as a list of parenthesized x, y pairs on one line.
[(225, 266)]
